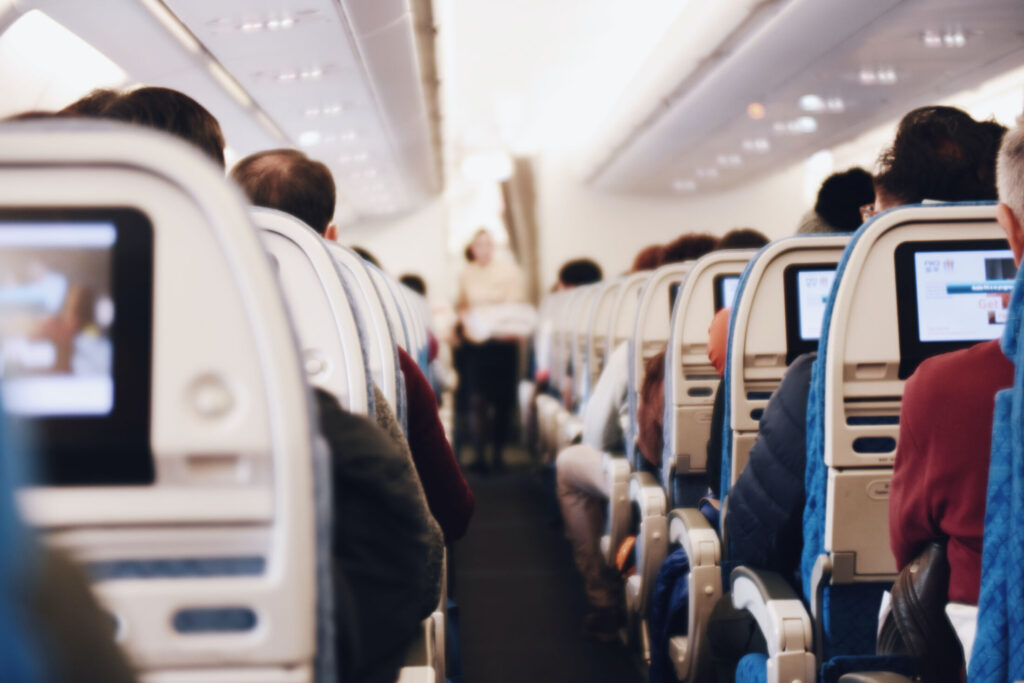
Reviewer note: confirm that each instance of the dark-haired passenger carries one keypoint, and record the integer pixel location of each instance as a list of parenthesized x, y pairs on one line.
[(940, 475), (841, 200)]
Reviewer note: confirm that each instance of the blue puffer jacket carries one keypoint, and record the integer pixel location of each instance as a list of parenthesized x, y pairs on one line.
[(765, 507)]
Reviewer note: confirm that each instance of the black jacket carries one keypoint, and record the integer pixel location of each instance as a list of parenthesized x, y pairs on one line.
[(387, 549), (764, 519)]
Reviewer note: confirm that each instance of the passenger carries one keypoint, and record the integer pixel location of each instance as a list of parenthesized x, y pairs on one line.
[(582, 487), (940, 476), (489, 366), (651, 411), (840, 200), (289, 181), (415, 283), (939, 153), (387, 548), (578, 272), (92, 105), (366, 256), (648, 258), (170, 111)]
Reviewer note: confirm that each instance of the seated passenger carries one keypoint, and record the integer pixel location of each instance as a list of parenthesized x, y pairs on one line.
[(388, 548), (651, 412), (839, 202), (582, 487), (288, 180), (940, 476), (939, 153)]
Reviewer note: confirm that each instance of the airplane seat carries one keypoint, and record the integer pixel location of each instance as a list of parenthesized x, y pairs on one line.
[(401, 326), (199, 522), (333, 355), (996, 653), (874, 331), (616, 465), (597, 338), (647, 498), (690, 384), (382, 350), (766, 330)]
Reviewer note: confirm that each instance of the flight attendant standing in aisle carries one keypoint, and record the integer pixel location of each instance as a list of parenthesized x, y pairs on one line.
[(489, 350)]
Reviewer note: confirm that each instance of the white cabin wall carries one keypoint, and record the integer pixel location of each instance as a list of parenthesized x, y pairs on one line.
[(413, 243), (576, 221)]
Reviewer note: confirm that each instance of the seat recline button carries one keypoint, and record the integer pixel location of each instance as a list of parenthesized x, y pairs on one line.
[(211, 396)]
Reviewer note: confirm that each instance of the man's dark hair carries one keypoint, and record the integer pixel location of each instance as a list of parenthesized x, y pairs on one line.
[(31, 115), (648, 258), (940, 153), (742, 238), (289, 181), (581, 271), (366, 256), (842, 195), (93, 105), (689, 247), (173, 112), (415, 283)]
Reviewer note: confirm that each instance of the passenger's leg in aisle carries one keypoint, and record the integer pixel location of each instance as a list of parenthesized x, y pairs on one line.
[(583, 496)]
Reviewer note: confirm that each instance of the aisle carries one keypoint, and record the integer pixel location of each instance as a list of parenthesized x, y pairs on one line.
[(520, 597)]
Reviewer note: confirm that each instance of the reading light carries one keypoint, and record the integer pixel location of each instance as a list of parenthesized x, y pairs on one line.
[(812, 103), (682, 185), (310, 138), (729, 160), (756, 111), (760, 145), (709, 173)]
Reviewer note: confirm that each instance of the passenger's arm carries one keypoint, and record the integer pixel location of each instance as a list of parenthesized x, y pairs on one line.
[(910, 519), (764, 524), (448, 495)]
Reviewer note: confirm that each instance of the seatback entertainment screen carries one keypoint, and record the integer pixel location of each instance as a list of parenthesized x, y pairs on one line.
[(807, 289), (725, 291), (951, 295), (76, 298)]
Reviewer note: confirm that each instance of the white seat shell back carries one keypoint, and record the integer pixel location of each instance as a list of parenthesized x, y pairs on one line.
[(862, 388), (691, 380), (650, 336), (381, 349), (332, 351), (229, 484), (597, 333), (757, 350)]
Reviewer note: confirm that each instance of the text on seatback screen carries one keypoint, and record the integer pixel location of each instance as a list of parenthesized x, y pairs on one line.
[(813, 289), (56, 314), (962, 295)]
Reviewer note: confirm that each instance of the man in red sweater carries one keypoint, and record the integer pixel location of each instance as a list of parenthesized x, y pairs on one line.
[(941, 472)]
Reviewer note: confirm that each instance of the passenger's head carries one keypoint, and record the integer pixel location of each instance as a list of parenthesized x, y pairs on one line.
[(367, 256), (841, 197), (1010, 178), (648, 258), (578, 272), (482, 247), (742, 238), (173, 112), (93, 105), (939, 153), (689, 247), (811, 223), (415, 283), (288, 180)]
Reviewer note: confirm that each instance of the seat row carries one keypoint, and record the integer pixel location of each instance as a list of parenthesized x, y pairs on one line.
[(206, 519), (862, 303)]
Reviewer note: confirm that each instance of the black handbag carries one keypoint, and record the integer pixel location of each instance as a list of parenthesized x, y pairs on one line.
[(917, 625)]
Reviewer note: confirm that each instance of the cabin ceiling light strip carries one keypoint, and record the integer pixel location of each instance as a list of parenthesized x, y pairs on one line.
[(817, 104), (881, 76), (798, 126), (759, 145), (683, 185), (949, 38)]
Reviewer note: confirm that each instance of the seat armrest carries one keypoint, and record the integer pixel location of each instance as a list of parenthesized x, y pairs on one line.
[(782, 619), (646, 493), (690, 529)]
